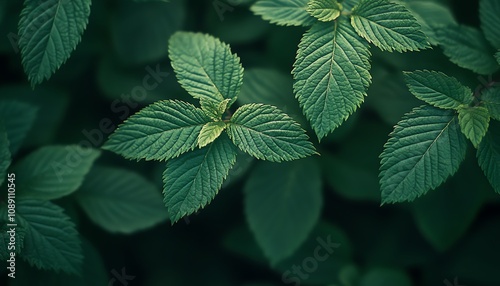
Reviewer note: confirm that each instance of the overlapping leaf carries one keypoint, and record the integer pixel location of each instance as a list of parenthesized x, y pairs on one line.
[(474, 122), (51, 240), (467, 48), (52, 172), (324, 10), (209, 132), (425, 148), (16, 126), (205, 67), (331, 74), (267, 133), (120, 201), (388, 25), (488, 156), (284, 12), (161, 131), (5, 157), (491, 100), (431, 15), (438, 89), (48, 32), (193, 179), (278, 195), (489, 13)]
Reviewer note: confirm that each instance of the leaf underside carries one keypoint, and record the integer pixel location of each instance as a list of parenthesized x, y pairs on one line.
[(425, 148)]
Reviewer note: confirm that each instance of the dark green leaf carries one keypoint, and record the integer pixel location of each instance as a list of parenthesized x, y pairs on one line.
[(489, 13), (17, 127), (488, 155)]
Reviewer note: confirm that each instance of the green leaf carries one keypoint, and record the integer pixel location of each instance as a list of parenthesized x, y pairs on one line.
[(438, 89), (385, 277), (48, 32), (467, 48), (51, 240), (474, 122), (491, 100), (119, 200), (389, 26), (215, 111), (193, 179), (281, 207), (5, 157), (52, 172), (331, 74), (267, 133), (284, 12), (324, 10), (160, 131), (488, 155), (209, 132), (431, 15), (17, 127), (205, 67), (489, 11), (425, 148)]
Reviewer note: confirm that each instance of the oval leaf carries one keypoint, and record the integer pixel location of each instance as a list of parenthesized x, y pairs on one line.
[(284, 12), (324, 10), (474, 122)]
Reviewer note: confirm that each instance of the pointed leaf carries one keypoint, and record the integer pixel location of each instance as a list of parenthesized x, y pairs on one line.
[(281, 207), (474, 122), (438, 89), (160, 131), (52, 172), (210, 132), (213, 110), (425, 148), (267, 133), (48, 32), (489, 13), (324, 10), (205, 66), (17, 126), (119, 200), (193, 179), (51, 240), (491, 100), (331, 74), (5, 157), (467, 48), (284, 12), (488, 155), (389, 26)]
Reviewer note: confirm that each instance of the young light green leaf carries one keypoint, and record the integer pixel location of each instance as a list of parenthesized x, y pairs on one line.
[(267, 133), (488, 155), (119, 200), (48, 32), (438, 89), (324, 10), (474, 122), (52, 172), (467, 48), (284, 12), (491, 100), (277, 194), (209, 132), (213, 110), (16, 126), (331, 74), (51, 240), (5, 157), (489, 13), (205, 67), (160, 131), (425, 148), (389, 26), (193, 179)]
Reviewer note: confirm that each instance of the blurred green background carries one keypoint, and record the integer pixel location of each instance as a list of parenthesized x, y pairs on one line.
[(451, 233)]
